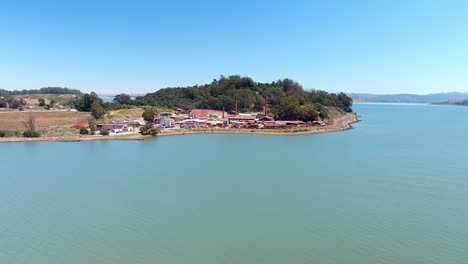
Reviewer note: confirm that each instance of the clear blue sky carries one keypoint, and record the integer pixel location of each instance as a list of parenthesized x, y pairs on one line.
[(141, 46)]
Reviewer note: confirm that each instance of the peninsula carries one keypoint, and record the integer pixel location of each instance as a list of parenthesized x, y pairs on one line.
[(231, 104)]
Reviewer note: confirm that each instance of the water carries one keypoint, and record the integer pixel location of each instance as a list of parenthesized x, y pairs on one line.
[(110, 98), (392, 190)]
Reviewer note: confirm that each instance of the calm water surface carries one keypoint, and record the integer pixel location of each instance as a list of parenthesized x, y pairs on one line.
[(392, 190)]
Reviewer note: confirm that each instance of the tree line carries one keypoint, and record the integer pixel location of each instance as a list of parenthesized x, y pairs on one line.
[(286, 99), (44, 90)]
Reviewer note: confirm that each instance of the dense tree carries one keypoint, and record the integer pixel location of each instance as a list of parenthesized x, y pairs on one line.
[(149, 113), (149, 130), (308, 112), (84, 103), (97, 110), (345, 102), (123, 99), (286, 98), (45, 90), (288, 109), (91, 103), (41, 102)]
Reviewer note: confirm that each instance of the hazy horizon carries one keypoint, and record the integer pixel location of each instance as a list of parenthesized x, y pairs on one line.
[(128, 91)]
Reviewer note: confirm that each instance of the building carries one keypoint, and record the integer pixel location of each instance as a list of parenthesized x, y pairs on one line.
[(318, 123), (114, 128), (207, 113), (284, 124), (266, 119), (179, 117), (133, 124), (192, 123), (215, 123), (167, 122), (289, 123), (273, 126), (241, 118)]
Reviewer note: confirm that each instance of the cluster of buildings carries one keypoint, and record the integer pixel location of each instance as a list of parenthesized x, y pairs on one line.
[(121, 125), (204, 118), (208, 118)]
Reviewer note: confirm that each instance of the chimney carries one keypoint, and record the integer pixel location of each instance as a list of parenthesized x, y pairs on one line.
[(265, 110), (223, 112), (236, 107)]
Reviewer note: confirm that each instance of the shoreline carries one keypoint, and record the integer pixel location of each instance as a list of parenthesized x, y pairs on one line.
[(340, 124), (344, 123)]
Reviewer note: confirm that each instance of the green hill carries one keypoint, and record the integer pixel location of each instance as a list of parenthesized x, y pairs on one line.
[(286, 99), (63, 97)]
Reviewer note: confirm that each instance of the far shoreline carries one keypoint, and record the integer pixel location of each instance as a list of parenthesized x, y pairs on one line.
[(389, 103), (340, 124)]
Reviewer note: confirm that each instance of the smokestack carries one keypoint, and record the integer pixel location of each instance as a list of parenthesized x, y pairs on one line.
[(265, 110), (223, 112), (236, 107)]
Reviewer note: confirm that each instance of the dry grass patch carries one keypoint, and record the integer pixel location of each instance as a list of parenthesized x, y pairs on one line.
[(134, 113), (14, 120)]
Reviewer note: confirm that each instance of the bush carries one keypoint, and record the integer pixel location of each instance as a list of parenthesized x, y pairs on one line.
[(31, 134), (10, 133), (104, 133), (15, 133), (83, 131), (149, 130)]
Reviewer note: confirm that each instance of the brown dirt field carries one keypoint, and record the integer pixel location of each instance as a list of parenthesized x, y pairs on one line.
[(14, 120)]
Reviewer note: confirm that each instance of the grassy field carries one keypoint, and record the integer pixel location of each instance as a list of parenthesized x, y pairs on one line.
[(134, 113), (13, 120), (65, 100)]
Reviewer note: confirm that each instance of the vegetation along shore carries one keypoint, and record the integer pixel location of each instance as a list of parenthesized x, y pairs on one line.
[(232, 105)]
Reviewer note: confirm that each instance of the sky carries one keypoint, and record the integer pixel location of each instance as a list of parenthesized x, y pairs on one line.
[(141, 46)]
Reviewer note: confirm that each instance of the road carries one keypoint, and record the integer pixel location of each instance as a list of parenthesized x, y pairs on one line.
[(348, 119)]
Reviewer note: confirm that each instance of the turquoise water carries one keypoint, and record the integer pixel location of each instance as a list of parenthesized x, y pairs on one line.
[(392, 190), (110, 98)]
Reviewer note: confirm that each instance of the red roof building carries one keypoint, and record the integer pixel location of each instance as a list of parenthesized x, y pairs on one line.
[(81, 125)]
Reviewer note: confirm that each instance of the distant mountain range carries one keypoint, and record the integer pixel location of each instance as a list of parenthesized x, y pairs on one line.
[(455, 102), (408, 98)]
